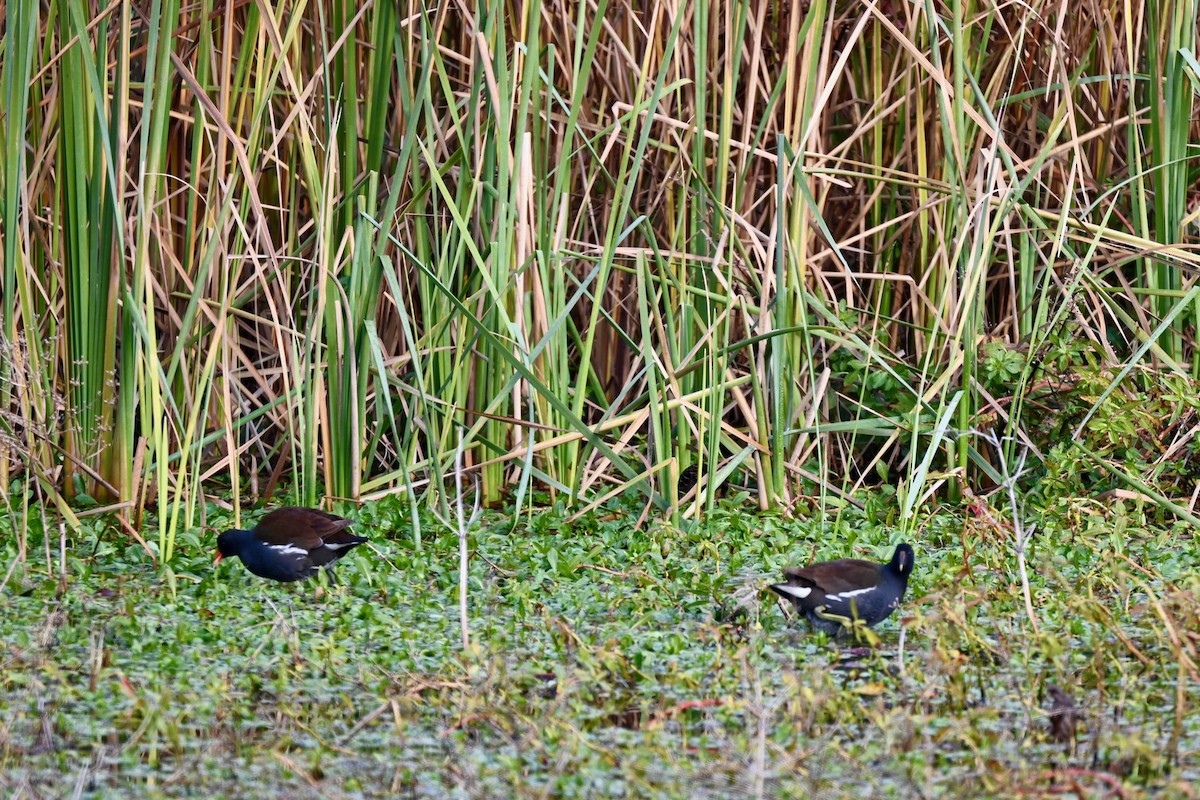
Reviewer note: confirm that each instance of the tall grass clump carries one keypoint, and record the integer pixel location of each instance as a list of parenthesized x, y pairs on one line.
[(801, 248)]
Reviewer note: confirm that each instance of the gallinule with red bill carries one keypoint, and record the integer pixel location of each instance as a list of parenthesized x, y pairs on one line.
[(834, 594), (290, 543)]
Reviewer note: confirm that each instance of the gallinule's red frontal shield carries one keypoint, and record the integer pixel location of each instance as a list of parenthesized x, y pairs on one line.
[(290, 543), (847, 589)]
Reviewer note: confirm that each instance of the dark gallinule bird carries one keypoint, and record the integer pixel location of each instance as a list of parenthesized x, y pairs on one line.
[(688, 478), (289, 543), (836, 594)]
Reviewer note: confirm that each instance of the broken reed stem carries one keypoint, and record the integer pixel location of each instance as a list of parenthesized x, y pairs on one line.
[(1010, 489), (462, 542)]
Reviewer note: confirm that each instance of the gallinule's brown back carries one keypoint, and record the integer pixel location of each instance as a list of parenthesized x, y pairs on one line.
[(289, 543), (848, 588)]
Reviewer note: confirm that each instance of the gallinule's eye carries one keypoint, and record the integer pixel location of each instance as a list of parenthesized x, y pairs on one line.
[(290, 543), (834, 593)]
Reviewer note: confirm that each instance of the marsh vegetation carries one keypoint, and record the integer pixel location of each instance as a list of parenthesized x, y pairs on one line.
[(678, 294)]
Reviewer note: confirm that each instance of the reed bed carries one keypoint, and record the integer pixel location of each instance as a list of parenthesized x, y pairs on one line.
[(253, 248)]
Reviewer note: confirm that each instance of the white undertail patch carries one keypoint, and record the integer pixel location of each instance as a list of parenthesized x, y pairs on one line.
[(799, 592)]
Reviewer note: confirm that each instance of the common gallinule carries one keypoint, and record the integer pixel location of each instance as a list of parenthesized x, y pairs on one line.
[(834, 594), (289, 543), (1064, 718)]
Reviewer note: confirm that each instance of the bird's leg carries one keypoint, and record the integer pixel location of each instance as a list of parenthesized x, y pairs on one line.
[(861, 630), (852, 623), (824, 613)]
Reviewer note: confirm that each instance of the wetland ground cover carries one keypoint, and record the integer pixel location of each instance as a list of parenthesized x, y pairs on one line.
[(600, 253), (606, 662)]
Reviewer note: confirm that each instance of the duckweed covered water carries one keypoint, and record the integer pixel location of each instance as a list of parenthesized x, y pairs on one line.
[(605, 663)]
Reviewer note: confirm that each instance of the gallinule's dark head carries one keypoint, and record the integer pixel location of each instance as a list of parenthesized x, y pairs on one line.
[(848, 589), (289, 543)]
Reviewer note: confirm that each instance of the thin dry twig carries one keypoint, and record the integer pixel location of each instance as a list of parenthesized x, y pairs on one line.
[(1020, 532)]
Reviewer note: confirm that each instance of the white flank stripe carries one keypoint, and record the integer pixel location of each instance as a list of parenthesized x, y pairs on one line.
[(800, 592), (848, 595), (288, 549)]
